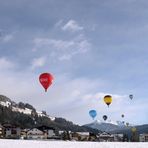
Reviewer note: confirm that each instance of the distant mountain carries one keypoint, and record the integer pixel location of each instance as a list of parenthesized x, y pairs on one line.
[(140, 129), (116, 127), (106, 126), (25, 115)]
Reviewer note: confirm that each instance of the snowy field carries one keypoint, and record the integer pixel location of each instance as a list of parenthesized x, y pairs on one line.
[(67, 144)]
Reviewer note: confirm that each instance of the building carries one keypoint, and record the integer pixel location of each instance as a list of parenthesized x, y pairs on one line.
[(118, 137), (106, 137), (41, 114), (93, 137), (36, 134), (11, 131), (2, 132), (79, 136), (143, 137), (23, 134), (49, 131)]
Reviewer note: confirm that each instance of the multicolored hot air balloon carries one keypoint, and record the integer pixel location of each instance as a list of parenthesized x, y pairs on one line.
[(108, 99), (46, 80), (93, 113), (105, 117)]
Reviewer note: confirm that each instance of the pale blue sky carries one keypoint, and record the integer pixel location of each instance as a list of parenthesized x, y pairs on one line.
[(92, 47)]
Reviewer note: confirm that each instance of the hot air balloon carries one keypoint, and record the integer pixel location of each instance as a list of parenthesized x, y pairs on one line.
[(133, 129), (108, 99), (93, 113), (46, 80), (127, 124), (122, 115), (131, 96), (105, 117)]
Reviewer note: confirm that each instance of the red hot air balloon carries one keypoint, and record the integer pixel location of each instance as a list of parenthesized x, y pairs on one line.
[(46, 80)]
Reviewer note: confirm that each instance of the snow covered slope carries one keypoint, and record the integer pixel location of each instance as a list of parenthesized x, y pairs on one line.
[(21, 107), (107, 125), (67, 144)]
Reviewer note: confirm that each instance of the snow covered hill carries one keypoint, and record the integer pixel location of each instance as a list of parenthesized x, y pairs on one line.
[(22, 107), (107, 125), (26, 116), (68, 144), (117, 127)]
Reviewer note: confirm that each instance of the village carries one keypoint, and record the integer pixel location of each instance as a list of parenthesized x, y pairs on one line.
[(8, 131), (43, 132)]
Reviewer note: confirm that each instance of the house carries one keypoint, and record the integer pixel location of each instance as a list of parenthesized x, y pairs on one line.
[(41, 113), (48, 131), (80, 136), (36, 134), (118, 137), (106, 137), (143, 137), (93, 137), (2, 132), (23, 134), (60, 132), (11, 131)]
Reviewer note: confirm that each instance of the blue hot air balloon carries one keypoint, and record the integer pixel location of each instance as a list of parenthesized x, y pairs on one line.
[(93, 113)]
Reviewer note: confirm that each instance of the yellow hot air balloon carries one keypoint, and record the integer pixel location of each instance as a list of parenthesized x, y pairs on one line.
[(133, 129), (108, 99)]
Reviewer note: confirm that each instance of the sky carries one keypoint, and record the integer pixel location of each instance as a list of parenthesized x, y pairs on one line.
[(92, 48)]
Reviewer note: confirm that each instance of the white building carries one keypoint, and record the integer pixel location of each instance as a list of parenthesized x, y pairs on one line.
[(11, 131), (36, 134), (49, 131), (118, 137), (106, 137), (60, 132), (41, 132), (41, 114), (143, 137), (79, 136)]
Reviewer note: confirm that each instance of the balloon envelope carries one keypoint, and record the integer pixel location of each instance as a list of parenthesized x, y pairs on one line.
[(133, 129), (127, 124), (131, 97), (93, 113), (46, 80), (122, 116), (105, 117), (108, 99)]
